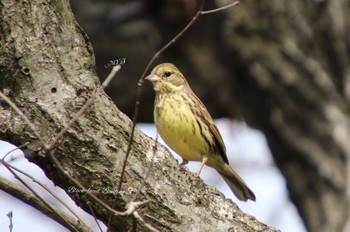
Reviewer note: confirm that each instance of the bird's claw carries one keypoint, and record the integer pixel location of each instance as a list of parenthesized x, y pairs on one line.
[(196, 174)]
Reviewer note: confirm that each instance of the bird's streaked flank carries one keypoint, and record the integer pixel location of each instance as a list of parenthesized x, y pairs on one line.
[(186, 126)]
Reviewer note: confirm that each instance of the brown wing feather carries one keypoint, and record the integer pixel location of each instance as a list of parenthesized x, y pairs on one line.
[(219, 141), (208, 120)]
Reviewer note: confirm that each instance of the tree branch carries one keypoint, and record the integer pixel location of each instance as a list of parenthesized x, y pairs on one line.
[(24, 196)]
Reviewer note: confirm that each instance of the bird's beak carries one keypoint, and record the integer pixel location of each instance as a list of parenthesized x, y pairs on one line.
[(152, 78)]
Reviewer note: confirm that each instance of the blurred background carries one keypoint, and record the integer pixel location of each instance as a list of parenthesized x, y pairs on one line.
[(280, 67)]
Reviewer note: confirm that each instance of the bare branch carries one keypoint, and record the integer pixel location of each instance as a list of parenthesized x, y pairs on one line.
[(154, 151), (24, 117), (149, 226), (44, 187), (78, 184), (132, 206), (95, 218), (112, 74), (15, 149), (220, 8), (10, 216), (37, 203)]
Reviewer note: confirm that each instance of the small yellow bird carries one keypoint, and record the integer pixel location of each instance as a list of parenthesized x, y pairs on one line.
[(186, 126)]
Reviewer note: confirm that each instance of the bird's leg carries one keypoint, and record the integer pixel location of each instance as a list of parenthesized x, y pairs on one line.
[(197, 173)]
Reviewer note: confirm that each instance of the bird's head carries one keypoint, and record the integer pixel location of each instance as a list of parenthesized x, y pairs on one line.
[(167, 78)]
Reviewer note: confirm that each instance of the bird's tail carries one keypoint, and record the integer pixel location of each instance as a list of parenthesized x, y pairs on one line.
[(237, 185)]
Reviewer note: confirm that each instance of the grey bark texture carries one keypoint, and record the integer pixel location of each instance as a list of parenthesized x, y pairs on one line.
[(283, 66), (47, 69)]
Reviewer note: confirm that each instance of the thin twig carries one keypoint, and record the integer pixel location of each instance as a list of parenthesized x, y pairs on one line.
[(112, 74), (16, 148), (62, 220), (21, 194), (172, 41), (70, 123), (95, 218), (10, 216), (134, 205), (83, 109), (220, 8), (149, 226), (79, 185), (149, 171), (44, 187), (25, 118), (133, 225)]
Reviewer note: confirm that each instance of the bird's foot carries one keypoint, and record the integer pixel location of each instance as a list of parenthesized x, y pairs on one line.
[(196, 174)]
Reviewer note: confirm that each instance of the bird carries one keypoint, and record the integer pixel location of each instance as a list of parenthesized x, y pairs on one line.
[(186, 127)]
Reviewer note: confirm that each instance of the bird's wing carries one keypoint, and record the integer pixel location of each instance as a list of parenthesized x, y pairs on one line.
[(219, 142)]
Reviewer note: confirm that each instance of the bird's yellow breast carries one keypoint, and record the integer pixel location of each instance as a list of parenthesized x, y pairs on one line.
[(179, 127)]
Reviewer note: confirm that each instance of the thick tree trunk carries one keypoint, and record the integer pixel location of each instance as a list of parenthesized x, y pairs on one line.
[(48, 71)]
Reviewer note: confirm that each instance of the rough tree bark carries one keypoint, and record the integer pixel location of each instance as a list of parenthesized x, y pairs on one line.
[(47, 69)]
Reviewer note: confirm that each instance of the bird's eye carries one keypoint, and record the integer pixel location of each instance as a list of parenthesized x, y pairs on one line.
[(167, 74)]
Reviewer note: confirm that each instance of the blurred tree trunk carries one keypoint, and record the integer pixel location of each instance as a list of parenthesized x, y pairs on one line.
[(281, 65), (48, 71), (290, 60)]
